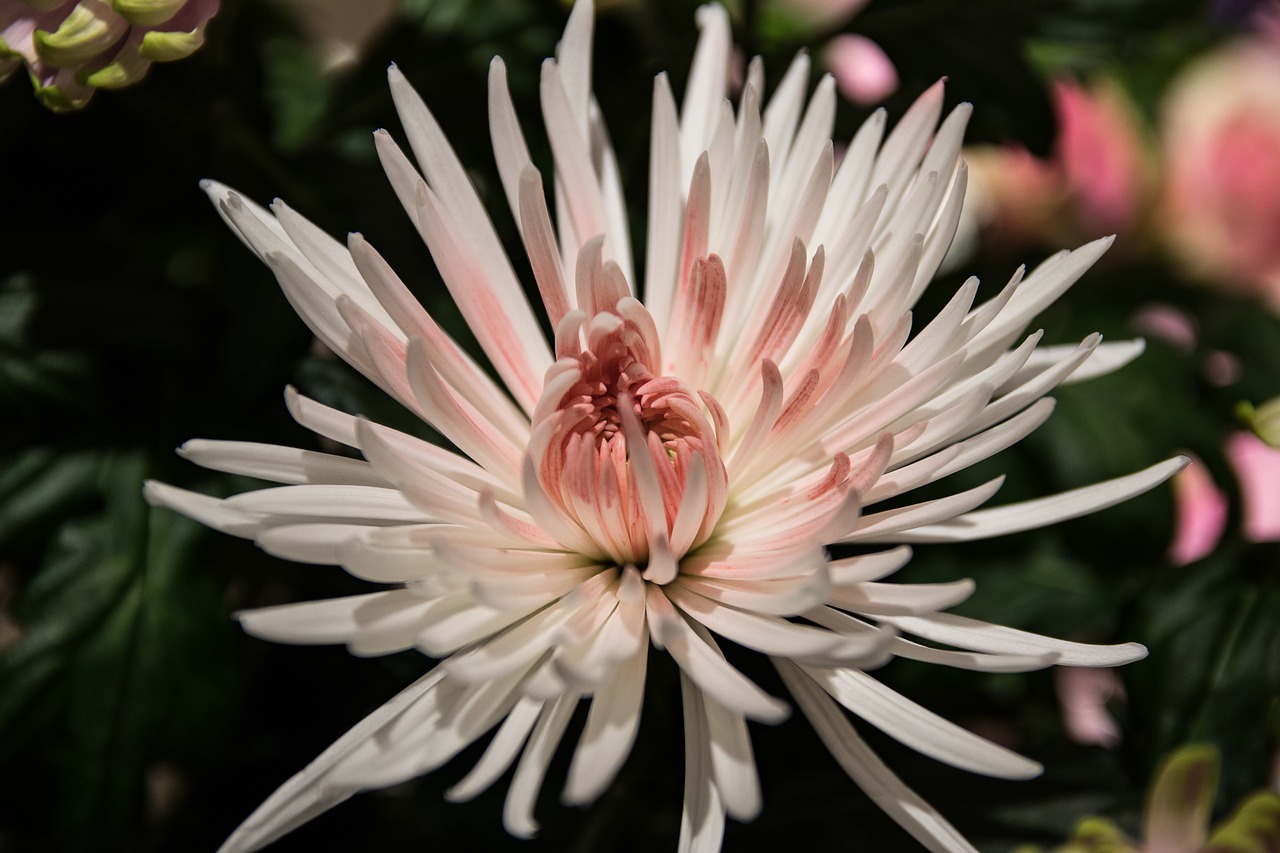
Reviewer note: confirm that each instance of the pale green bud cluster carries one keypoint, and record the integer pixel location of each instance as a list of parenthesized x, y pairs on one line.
[(71, 48)]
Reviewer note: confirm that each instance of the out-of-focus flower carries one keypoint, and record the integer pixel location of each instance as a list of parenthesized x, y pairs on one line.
[(1201, 509), (864, 73), (1220, 210), (663, 471), (1257, 468), (1176, 819), (1013, 195), (1167, 323), (341, 30), (1177, 328), (1100, 153), (1096, 181), (1083, 694), (70, 49)]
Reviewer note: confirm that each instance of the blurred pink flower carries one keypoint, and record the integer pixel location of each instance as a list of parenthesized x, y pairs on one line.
[(1257, 468), (1201, 510), (1167, 323), (1096, 182), (864, 73), (1083, 694), (1013, 195), (1221, 132), (1100, 154)]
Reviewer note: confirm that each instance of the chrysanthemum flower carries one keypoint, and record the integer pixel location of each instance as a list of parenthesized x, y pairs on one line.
[(663, 472), (71, 48)]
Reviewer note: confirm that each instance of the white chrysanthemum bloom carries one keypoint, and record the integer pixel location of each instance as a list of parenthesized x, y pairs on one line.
[(666, 470)]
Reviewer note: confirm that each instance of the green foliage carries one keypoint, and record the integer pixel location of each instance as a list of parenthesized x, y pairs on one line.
[(121, 657)]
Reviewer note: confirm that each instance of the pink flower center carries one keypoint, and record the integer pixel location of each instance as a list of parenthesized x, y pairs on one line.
[(627, 456)]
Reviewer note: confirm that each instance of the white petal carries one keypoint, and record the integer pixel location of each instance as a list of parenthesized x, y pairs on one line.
[(1041, 512), (517, 813), (733, 766), (701, 660), (702, 812), (318, 542), (373, 504), (774, 636), (330, 620), (610, 732), (303, 796), (1107, 358), (901, 524), (707, 86), (500, 753), (209, 511), (997, 639), (975, 661), (893, 599), (278, 464), (869, 772), (868, 567), (918, 728)]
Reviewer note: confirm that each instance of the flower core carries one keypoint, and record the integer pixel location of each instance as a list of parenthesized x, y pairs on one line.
[(627, 455)]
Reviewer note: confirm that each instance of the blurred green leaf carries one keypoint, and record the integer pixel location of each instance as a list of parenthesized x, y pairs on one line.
[(38, 485), (298, 91), (120, 659)]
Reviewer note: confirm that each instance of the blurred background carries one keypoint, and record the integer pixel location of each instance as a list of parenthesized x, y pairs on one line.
[(135, 716)]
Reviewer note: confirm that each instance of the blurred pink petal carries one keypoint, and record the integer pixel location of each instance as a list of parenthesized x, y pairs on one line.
[(1257, 467), (1100, 154), (1097, 181), (863, 72), (1222, 368), (1267, 22), (1166, 323), (1201, 509), (1012, 194), (1083, 694)]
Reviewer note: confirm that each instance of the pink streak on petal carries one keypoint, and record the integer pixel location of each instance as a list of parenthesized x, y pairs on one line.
[(864, 73), (1083, 693), (1201, 514), (1257, 467)]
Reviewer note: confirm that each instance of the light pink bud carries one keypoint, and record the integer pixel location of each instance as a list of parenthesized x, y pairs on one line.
[(863, 72)]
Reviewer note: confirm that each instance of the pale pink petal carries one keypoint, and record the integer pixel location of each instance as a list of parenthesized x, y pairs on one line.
[(1083, 694), (1201, 514), (863, 71), (1257, 469)]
